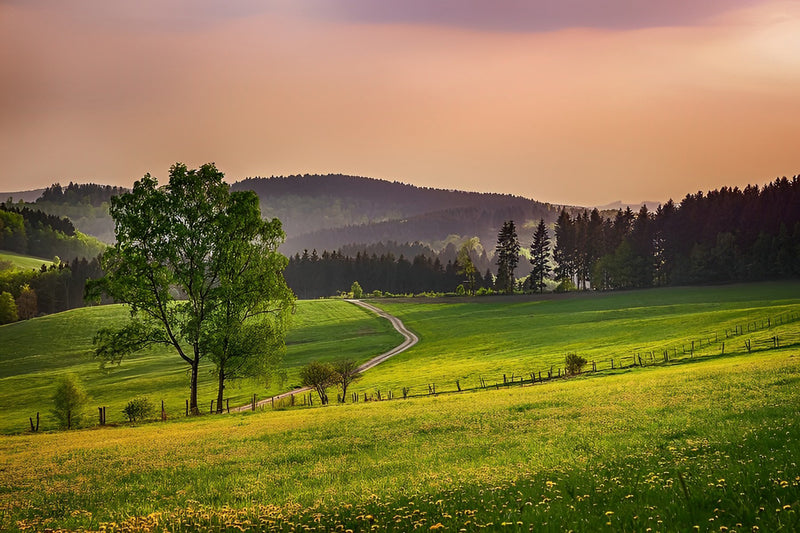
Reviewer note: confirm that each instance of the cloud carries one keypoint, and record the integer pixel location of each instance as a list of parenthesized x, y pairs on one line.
[(523, 15)]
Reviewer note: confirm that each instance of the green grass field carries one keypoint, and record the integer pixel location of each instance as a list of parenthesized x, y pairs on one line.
[(704, 443), (487, 337), (23, 262), (35, 352)]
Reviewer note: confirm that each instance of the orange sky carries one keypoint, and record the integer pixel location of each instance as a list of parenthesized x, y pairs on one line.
[(566, 107)]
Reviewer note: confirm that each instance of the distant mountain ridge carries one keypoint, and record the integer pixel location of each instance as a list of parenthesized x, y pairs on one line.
[(334, 210), (327, 212)]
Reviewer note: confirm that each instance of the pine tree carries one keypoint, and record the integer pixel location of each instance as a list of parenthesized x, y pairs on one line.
[(507, 251), (540, 254)]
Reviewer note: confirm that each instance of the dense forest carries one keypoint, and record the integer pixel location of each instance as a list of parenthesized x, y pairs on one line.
[(28, 293), (313, 275), (726, 235), (85, 204), (33, 232)]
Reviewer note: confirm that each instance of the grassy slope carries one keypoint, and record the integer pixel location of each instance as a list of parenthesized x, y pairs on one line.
[(35, 352), (572, 454), (708, 442), (489, 337), (23, 262)]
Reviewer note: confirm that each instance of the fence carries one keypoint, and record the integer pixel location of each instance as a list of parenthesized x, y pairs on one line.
[(724, 342)]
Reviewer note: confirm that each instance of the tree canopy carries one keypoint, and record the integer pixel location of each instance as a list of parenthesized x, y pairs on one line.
[(200, 270)]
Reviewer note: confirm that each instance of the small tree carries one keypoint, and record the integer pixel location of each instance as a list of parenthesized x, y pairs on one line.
[(319, 376), (347, 373), (467, 267), (27, 304), (138, 409), (356, 290), (8, 308), (574, 363), (69, 401)]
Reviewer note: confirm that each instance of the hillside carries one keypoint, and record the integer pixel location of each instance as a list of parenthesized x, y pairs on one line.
[(35, 352), (707, 440), (327, 212), (330, 211)]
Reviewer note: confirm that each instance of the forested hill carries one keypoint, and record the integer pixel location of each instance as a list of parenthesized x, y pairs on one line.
[(333, 210)]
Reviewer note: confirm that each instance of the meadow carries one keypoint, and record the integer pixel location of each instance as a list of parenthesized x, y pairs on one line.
[(23, 262), (706, 443), (487, 337), (35, 353)]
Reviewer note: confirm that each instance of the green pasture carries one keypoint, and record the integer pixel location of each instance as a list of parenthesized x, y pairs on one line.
[(34, 353), (709, 445), (468, 339), (23, 262)]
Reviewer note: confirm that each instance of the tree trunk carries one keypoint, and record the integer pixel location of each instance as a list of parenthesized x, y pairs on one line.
[(221, 388), (193, 393)]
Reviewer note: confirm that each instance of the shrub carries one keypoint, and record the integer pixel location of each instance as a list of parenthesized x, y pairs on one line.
[(138, 409), (566, 285), (357, 291), (460, 290), (575, 363), (69, 401)]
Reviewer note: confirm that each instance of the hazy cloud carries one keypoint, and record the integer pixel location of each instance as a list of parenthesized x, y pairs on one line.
[(524, 15)]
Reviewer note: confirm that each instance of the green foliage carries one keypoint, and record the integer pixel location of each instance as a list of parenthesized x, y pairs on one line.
[(35, 353), (320, 377), (507, 257), (356, 291), (574, 363), (27, 306), (138, 409), (586, 452), (466, 266), (540, 257), (69, 401), (565, 285), (346, 373), (194, 238), (460, 290), (8, 308)]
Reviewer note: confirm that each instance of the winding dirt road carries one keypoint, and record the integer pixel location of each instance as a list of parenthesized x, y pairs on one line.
[(410, 339)]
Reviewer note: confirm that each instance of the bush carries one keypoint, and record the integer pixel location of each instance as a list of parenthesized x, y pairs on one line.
[(138, 409), (566, 285), (575, 363), (460, 290), (356, 290), (69, 401)]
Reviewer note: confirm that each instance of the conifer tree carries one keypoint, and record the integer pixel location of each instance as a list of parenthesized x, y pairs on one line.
[(540, 257), (507, 252)]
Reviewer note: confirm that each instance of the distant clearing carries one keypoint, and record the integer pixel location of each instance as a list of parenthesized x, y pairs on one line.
[(23, 262)]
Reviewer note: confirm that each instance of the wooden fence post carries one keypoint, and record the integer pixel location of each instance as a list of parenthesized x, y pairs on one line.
[(163, 412), (458, 386), (612, 363), (723, 348), (187, 407), (100, 413), (228, 404)]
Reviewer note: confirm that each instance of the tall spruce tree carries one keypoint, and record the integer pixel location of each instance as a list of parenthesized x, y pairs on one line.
[(507, 252), (540, 257)]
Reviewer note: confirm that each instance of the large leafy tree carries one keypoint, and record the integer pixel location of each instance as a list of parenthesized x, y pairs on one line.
[(507, 253), (540, 257), (199, 269)]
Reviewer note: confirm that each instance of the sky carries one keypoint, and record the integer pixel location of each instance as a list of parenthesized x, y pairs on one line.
[(565, 101)]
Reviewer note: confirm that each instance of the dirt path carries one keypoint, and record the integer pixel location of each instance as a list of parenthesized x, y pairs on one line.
[(410, 339)]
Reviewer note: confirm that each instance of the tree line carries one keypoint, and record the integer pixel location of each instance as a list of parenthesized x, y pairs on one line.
[(33, 232), (725, 235), (29, 293), (313, 275)]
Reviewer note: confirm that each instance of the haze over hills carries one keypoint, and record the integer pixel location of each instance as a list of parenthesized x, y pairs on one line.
[(330, 211)]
